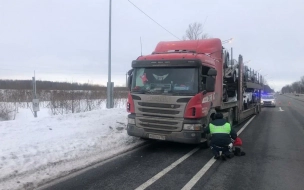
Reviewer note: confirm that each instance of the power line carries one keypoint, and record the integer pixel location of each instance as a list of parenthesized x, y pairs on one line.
[(154, 20), (204, 23)]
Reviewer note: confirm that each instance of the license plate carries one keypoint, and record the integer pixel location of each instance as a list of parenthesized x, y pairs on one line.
[(158, 137)]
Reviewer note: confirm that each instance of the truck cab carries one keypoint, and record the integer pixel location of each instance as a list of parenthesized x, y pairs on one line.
[(172, 89)]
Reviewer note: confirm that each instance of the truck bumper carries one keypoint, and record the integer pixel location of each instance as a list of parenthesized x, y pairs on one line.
[(189, 137)]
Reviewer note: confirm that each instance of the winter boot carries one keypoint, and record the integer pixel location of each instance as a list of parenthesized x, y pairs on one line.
[(217, 157), (223, 156)]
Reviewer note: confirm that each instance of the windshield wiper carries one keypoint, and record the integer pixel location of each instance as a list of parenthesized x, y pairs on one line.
[(184, 93), (172, 92), (163, 92), (146, 92)]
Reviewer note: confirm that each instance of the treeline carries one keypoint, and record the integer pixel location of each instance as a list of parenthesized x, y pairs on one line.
[(49, 85), (58, 101), (297, 87)]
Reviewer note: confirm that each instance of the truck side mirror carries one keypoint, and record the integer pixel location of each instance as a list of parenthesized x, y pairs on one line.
[(130, 76), (212, 72), (210, 82), (130, 72), (130, 82)]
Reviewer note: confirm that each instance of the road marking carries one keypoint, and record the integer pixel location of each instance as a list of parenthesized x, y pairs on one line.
[(280, 109), (166, 170), (244, 127), (200, 173)]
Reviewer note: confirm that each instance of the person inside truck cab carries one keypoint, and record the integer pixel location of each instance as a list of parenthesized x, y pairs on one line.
[(221, 135), (155, 76)]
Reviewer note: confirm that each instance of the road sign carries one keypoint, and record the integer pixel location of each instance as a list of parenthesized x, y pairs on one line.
[(36, 105)]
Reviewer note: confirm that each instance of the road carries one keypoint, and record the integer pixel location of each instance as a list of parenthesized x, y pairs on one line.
[(274, 146)]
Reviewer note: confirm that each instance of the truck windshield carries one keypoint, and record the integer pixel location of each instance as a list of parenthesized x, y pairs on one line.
[(165, 80)]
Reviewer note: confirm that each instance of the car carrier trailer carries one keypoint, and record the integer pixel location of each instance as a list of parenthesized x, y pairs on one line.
[(175, 91)]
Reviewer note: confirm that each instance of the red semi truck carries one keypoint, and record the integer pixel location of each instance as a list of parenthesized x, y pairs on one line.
[(175, 91)]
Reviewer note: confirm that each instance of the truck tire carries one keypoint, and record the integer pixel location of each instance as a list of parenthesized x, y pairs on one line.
[(225, 95), (233, 78), (206, 144), (257, 109), (231, 117), (245, 105)]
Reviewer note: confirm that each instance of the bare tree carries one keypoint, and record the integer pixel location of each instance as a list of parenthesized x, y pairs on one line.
[(295, 86), (195, 32), (302, 80)]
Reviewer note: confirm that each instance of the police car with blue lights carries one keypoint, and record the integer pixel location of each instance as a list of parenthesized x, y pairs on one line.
[(268, 100)]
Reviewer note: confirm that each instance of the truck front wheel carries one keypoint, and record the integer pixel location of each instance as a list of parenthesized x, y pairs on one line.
[(206, 144)]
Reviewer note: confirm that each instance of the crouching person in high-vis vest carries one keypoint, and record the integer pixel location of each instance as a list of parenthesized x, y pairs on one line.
[(221, 135)]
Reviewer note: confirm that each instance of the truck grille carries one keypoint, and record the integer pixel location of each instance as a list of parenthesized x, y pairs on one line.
[(147, 110), (159, 123), (156, 116), (158, 105)]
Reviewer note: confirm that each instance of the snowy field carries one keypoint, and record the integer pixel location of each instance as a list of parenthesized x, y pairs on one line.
[(36, 150), (11, 110)]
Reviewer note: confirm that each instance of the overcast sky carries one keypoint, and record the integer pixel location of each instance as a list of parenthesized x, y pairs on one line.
[(67, 40)]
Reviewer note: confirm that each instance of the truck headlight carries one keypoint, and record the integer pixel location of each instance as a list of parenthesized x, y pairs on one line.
[(273, 102), (192, 127), (131, 121)]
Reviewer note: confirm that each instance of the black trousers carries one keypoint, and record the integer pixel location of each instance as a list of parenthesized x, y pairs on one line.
[(216, 150)]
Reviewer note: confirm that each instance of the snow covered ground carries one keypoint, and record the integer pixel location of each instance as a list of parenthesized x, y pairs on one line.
[(36, 150)]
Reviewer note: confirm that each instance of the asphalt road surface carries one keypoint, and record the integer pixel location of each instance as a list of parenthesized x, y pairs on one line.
[(274, 146)]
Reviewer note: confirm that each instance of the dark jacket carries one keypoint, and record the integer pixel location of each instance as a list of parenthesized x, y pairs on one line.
[(219, 139)]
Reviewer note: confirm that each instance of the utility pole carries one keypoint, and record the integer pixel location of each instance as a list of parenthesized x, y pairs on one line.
[(110, 84), (35, 100)]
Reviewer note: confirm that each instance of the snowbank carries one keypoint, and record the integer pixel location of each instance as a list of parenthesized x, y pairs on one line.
[(33, 151)]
